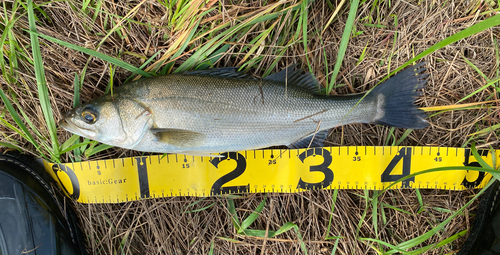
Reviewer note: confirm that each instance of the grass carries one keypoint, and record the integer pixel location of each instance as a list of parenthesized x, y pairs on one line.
[(50, 65)]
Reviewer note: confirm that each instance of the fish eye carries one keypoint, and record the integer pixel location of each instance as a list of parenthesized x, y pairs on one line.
[(89, 115)]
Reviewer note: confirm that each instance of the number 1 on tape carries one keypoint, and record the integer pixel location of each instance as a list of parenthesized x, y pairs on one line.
[(285, 171)]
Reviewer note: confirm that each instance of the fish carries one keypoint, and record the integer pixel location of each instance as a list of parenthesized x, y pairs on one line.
[(218, 110)]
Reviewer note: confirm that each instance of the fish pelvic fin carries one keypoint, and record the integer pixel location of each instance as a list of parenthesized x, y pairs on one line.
[(395, 99), (315, 140), (178, 137), (293, 76)]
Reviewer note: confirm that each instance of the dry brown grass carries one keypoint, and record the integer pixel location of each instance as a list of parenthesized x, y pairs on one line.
[(163, 226)]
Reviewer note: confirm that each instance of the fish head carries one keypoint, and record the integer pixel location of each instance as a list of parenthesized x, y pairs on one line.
[(118, 122)]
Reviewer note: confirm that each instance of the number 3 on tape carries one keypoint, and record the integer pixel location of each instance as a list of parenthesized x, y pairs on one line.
[(323, 168)]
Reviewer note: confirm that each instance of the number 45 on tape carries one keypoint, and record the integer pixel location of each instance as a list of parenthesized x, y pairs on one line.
[(285, 171)]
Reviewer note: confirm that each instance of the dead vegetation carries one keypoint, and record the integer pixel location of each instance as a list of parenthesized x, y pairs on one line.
[(392, 33)]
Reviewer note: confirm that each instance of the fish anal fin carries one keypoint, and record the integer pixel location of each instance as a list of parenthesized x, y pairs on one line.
[(178, 137), (317, 138)]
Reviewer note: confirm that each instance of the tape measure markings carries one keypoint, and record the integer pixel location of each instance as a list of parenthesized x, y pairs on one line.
[(266, 171)]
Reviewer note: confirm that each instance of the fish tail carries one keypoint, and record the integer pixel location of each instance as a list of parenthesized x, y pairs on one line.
[(395, 99)]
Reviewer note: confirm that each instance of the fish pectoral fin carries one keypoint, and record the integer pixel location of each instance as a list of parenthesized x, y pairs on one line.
[(317, 138), (178, 137)]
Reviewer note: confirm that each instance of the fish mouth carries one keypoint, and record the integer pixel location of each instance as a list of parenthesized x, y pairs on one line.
[(70, 126)]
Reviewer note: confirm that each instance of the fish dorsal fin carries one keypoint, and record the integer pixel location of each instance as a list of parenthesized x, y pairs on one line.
[(229, 72), (296, 78), (319, 139), (178, 137)]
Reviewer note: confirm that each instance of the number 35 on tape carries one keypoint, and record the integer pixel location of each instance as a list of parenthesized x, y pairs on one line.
[(284, 171)]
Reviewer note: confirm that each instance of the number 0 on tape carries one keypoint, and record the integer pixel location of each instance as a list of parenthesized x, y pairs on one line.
[(283, 171)]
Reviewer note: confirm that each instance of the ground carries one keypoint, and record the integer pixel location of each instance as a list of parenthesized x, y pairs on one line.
[(262, 37)]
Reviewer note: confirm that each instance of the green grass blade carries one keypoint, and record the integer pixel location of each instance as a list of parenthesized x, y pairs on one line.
[(363, 55), (253, 216), (374, 204), (212, 245), (382, 214), (24, 130), (202, 209), (7, 33), (485, 131), (478, 158), (43, 92), (194, 203), (258, 233), (69, 142), (493, 157), (301, 240), (446, 241), (363, 216), (213, 58), (76, 88), (146, 63), (221, 38), (396, 208), (403, 137), (475, 68), (96, 54), (168, 66), (420, 200), (287, 226), (13, 128), (488, 84), (420, 239), (97, 149), (343, 44), (10, 145), (334, 200), (472, 30), (304, 31), (394, 247), (483, 163), (234, 216), (74, 146), (334, 250)]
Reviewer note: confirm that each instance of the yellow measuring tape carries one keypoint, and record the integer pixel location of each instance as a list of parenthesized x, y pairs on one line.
[(284, 171)]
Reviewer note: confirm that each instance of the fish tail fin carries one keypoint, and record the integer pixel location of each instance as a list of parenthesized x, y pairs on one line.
[(395, 99)]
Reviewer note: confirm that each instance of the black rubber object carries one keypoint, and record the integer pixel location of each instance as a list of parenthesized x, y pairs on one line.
[(32, 220), (484, 237)]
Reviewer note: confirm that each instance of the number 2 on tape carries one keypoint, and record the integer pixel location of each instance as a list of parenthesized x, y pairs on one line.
[(241, 165)]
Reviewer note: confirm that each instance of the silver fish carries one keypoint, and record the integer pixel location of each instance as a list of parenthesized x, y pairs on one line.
[(219, 110)]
